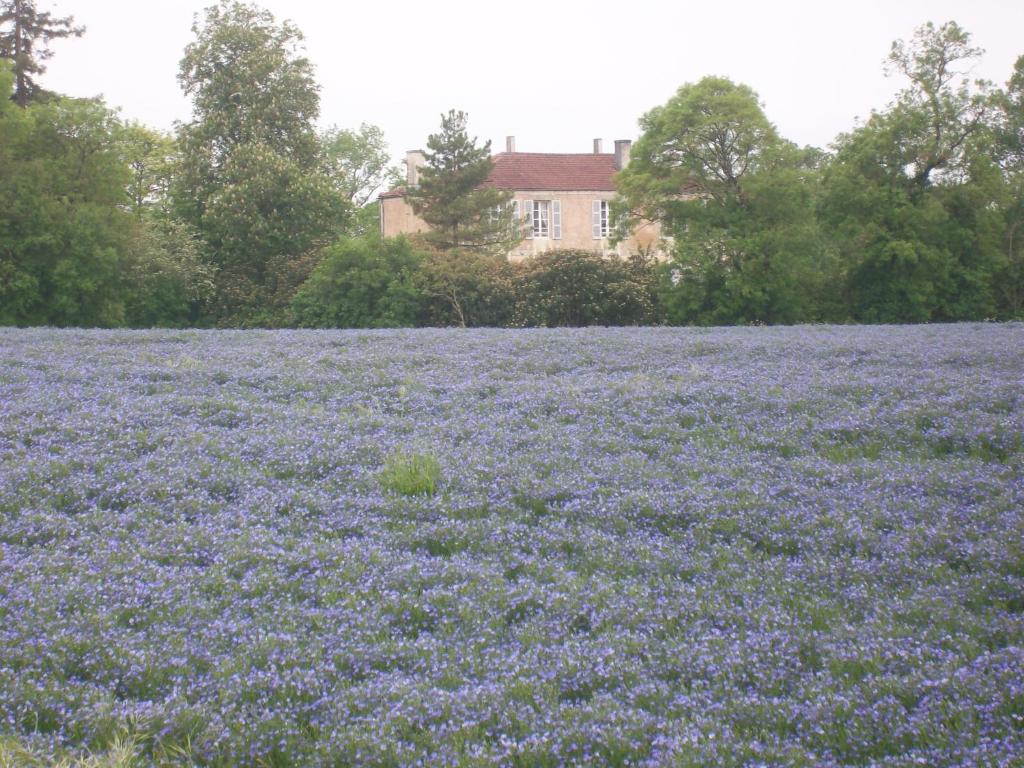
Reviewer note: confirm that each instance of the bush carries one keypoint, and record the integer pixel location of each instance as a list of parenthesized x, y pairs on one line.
[(578, 288), (466, 290), (361, 283), (167, 280)]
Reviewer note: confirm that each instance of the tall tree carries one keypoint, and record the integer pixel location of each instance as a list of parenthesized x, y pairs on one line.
[(358, 162), (944, 108), (249, 84), (451, 198), (152, 158), (64, 223), (25, 37), (738, 202), (1009, 151), (907, 196), (251, 179)]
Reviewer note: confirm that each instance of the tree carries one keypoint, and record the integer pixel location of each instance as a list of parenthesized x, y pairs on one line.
[(249, 84), (907, 196), (64, 223), (738, 203), (152, 158), (452, 199), (358, 163), (25, 36), (941, 110), (251, 180), (263, 222), (1009, 151), (167, 282)]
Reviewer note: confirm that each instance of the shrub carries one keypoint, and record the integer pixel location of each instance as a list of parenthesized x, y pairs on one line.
[(361, 283), (460, 288), (577, 288)]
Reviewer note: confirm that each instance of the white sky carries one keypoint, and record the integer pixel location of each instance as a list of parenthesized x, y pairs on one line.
[(556, 75)]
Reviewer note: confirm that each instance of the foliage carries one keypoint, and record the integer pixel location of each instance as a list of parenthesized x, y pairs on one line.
[(251, 179), (1009, 154), (907, 197), (358, 163), (466, 289), (249, 84), (365, 221), (167, 281), (63, 223), (267, 213), (152, 157), (578, 288), (25, 36), (411, 474), (360, 283), (738, 203), (451, 199), (939, 112)]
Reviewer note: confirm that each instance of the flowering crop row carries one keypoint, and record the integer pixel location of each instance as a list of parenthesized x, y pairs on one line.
[(677, 547)]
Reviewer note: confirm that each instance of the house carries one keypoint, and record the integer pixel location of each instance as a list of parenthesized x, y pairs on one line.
[(565, 200)]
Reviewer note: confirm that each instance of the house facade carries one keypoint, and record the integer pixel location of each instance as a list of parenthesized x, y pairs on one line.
[(564, 200)]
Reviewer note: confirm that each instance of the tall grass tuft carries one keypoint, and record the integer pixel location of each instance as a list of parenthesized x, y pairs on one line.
[(122, 752), (411, 474)]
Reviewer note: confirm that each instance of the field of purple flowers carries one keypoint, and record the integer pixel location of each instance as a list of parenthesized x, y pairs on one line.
[(678, 547)]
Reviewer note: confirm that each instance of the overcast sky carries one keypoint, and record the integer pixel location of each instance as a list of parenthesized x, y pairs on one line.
[(556, 75)]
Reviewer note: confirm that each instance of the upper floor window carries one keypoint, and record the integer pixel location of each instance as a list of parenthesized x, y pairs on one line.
[(544, 218), (601, 220), (541, 217)]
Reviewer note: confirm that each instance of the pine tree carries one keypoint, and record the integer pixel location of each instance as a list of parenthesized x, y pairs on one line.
[(25, 36), (462, 213)]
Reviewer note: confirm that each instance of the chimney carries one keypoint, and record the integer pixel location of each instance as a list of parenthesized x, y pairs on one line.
[(510, 143), (597, 146), (414, 160), (622, 147)]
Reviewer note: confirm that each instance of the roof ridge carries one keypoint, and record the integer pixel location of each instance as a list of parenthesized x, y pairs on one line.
[(562, 154)]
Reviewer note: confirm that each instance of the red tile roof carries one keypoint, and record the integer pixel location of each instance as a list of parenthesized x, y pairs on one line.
[(555, 172), (546, 172)]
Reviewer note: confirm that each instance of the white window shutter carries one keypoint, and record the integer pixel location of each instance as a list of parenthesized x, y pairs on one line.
[(595, 219), (556, 219), (529, 218)]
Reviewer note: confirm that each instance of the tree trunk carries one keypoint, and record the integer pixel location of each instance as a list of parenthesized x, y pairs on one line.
[(21, 87)]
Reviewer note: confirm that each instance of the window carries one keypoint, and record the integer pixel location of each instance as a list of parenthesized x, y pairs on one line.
[(602, 225), (544, 218), (541, 217), (510, 213)]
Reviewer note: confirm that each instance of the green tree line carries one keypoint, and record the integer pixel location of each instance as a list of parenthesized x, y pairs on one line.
[(248, 215)]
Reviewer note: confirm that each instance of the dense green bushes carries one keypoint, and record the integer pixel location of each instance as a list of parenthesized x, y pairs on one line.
[(572, 288), (378, 283), (361, 283)]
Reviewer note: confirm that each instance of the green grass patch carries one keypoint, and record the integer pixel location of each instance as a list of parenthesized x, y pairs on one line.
[(411, 474)]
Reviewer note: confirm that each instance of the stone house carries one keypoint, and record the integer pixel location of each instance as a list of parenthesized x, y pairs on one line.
[(565, 200)]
